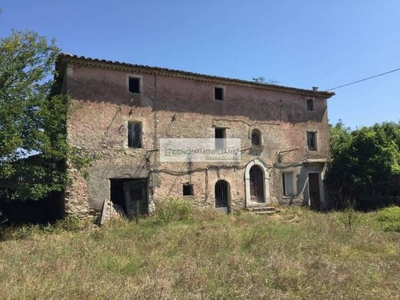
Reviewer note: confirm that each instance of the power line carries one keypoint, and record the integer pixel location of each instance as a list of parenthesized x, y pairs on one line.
[(368, 78)]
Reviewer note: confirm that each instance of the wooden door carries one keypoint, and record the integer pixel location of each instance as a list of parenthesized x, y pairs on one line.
[(256, 184), (136, 197), (315, 195)]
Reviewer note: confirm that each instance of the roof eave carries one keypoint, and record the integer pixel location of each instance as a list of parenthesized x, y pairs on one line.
[(64, 58)]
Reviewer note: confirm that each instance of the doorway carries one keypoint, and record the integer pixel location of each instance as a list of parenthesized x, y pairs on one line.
[(256, 184), (222, 196), (130, 195), (314, 190)]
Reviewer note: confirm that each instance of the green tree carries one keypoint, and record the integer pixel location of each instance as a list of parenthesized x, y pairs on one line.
[(365, 165), (32, 117)]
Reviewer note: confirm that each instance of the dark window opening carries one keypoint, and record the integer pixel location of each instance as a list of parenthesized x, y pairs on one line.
[(134, 135), (218, 93), (134, 85), (310, 104), (220, 138), (256, 138), (312, 141), (188, 189)]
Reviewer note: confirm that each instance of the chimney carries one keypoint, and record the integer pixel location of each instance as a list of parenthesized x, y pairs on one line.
[(315, 88)]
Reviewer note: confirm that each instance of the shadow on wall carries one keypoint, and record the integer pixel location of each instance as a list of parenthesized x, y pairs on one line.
[(256, 104)]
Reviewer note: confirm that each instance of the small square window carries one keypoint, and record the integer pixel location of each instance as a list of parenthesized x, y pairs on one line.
[(134, 85), (310, 104), (312, 140), (188, 189), (134, 135), (218, 93), (287, 182), (220, 138)]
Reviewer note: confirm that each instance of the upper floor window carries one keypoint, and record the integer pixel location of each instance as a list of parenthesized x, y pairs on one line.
[(218, 93), (312, 140), (134, 85), (256, 138), (220, 138), (134, 135), (310, 104)]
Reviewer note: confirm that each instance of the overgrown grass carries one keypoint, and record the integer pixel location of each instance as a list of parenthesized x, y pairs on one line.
[(297, 254)]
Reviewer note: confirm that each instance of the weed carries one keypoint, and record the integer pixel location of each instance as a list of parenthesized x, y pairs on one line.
[(389, 219), (173, 209), (349, 218), (70, 223)]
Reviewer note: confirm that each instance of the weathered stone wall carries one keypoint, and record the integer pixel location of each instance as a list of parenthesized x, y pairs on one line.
[(171, 107)]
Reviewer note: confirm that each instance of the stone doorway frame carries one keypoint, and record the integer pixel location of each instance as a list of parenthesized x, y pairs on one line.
[(263, 167)]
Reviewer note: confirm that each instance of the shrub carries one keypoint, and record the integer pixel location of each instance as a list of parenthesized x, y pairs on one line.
[(71, 223), (173, 209), (389, 219)]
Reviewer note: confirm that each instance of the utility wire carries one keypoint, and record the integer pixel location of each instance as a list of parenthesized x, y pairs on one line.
[(368, 78)]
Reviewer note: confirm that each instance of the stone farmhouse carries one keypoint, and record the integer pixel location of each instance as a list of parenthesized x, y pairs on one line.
[(120, 112)]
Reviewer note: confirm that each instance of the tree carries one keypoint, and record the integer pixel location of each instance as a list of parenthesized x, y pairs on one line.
[(32, 117), (365, 165), (262, 80)]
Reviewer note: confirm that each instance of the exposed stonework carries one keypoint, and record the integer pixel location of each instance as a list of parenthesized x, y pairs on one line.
[(175, 104), (77, 195)]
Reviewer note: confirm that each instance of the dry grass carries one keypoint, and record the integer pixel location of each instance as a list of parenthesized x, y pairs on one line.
[(297, 254)]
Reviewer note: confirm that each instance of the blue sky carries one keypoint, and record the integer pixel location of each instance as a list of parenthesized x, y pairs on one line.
[(296, 43)]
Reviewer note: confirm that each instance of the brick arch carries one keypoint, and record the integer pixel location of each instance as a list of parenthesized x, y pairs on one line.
[(263, 167)]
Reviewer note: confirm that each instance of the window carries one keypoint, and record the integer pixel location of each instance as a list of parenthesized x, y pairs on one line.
[(134, 85), (310, 104), (287, 181), (312, 140), (219, 93), (134, 135), (188, 189), (220, 138), (256, 138)]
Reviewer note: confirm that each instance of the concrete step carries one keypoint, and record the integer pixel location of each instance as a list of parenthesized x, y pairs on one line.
[(263, 210)]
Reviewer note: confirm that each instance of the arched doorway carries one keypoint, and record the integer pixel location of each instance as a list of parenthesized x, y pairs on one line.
[(256, 184), (222, 196)]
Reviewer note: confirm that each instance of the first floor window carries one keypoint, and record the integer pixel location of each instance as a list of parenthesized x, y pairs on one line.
[(287, 181), (312, 140), (220, 138), (256, 138), (134, 135)]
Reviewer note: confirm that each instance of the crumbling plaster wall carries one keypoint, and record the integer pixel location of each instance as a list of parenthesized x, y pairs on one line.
[(170, 107)]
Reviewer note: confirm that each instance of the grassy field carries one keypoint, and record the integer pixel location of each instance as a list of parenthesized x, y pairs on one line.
[(296, 254)]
